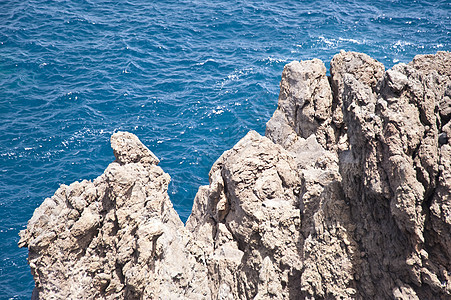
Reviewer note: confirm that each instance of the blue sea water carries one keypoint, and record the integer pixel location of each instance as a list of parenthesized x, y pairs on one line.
[(190, 78)]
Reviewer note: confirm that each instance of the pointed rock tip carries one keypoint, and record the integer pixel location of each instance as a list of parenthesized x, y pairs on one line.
[(128, 148)]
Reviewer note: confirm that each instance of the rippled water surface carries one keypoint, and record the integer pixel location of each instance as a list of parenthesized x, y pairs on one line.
[(190, 78)]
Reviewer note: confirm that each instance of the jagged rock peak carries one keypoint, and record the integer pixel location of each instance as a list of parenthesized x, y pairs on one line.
[(117, 237), (128, 148)]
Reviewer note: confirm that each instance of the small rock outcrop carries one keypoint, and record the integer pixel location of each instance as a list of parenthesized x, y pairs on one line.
[(347, 196)]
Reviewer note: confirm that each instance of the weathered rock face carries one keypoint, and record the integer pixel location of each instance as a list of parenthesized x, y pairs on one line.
[(392, 151), (245, 218), (395, 156), (348, 196), (117, 237)]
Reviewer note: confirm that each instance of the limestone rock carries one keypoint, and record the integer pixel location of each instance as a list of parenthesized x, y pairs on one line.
[(365, 69), (305, 106), (128, 148), (393, 171), (117, 237), (392, 168), (251, 255), (347, 196)]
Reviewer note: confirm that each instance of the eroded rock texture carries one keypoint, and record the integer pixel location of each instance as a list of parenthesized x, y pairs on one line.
[(117, 237), (348, 196), (392, 153), (246, 216)]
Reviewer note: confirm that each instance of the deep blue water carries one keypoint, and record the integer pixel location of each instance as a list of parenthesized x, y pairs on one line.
[(190, 78)]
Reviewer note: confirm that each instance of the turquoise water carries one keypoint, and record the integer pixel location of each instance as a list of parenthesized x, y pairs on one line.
[(190, 78)]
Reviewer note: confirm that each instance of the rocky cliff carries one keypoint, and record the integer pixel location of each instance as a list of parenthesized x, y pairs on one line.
[(347, 196)]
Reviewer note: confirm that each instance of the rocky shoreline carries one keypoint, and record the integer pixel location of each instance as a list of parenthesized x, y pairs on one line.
[(347, 196)]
